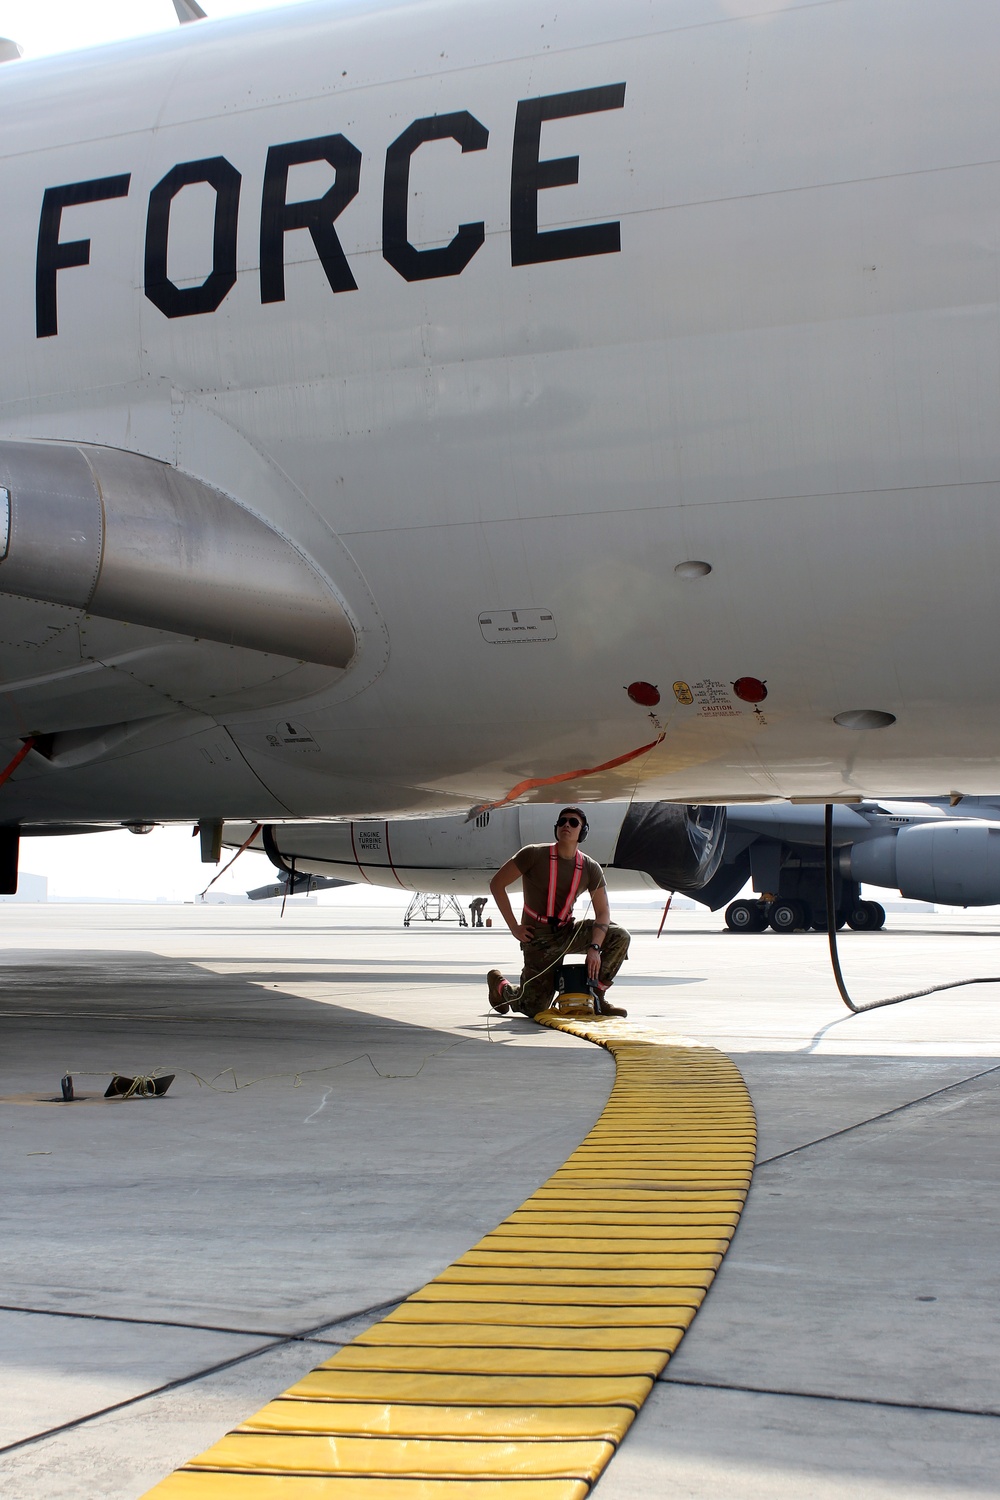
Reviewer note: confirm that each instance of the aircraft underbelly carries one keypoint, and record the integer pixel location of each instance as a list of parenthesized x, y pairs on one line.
[(787, 371)]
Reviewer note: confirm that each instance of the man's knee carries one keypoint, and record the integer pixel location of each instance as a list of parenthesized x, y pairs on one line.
[(616, 945), (534, 998)]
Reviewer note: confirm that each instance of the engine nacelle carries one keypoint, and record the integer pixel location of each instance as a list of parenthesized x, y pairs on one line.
[(124, 537), (956, 864), (680, 846), (677, 847)]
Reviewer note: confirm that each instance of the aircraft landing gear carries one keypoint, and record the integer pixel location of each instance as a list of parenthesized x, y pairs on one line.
[(746, 916), (801, 907), (787, 916), (866, 916)]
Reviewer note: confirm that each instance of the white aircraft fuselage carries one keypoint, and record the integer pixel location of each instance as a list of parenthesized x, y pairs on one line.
[(489, 318)]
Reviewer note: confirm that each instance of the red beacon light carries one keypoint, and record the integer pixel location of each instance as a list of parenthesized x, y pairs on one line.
[(750, 689)]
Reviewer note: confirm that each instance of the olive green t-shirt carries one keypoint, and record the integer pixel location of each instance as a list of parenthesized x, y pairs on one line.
[(533, 863)]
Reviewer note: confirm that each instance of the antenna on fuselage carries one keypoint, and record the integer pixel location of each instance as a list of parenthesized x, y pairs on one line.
[(189, 10)]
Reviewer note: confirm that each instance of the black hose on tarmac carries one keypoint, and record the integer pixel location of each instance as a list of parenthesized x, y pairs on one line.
[(831, 919)]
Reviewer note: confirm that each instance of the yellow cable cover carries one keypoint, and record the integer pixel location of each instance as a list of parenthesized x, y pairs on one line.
[(515, 1373)]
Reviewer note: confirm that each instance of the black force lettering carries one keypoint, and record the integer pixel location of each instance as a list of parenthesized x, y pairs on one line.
[(445, 260), (52, 256), (529, 177), (184, 302), (278, 217)]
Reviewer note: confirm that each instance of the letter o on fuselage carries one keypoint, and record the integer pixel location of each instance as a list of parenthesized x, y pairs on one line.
[(183, 302)]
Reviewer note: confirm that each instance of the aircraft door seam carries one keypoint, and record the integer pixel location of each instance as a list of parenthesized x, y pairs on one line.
[(354, 851), (253, 772), (388, 855)]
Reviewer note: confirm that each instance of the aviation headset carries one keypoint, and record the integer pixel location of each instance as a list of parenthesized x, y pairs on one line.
[(584, 825)]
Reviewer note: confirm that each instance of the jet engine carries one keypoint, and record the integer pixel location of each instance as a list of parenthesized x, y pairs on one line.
[(679, 846), (954, 863), (653, 844), (123, 537)]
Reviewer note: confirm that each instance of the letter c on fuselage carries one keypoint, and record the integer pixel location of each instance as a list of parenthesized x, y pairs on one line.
[(444, 260)]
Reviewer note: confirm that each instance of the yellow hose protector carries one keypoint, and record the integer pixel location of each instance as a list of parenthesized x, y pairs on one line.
[(516, 1373)]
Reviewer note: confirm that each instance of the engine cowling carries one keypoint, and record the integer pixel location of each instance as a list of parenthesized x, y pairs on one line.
[(124, 537), (676, 846), (955, 863), (680, 846)]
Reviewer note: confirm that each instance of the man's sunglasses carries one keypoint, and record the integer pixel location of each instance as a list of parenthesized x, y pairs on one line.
[(568, 823)]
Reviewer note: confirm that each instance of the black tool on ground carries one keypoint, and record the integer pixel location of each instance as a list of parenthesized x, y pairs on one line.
[(66, 1084), (122, 1087)]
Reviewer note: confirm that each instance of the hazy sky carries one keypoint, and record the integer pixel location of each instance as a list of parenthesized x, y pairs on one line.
[(43, 26)]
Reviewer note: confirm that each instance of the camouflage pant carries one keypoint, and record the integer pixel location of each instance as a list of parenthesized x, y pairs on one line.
[(542, 956)]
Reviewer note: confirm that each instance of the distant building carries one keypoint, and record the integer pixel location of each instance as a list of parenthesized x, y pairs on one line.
[(30, 888)]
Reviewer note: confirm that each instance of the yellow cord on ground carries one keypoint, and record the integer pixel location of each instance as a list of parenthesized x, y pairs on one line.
[(515, 1373)]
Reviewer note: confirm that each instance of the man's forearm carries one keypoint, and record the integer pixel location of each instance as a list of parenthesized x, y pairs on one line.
[(602, 919)]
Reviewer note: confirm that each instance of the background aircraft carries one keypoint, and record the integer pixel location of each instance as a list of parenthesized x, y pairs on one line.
[(928, 851), (404, 406)]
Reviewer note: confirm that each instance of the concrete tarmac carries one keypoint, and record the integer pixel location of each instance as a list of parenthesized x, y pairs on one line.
[(169, 1265)]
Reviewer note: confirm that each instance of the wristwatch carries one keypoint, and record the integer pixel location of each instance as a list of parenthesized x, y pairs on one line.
[(596, 946)]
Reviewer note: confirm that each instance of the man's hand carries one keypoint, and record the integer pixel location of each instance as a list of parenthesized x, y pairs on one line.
[(522, 932), (593, 963)]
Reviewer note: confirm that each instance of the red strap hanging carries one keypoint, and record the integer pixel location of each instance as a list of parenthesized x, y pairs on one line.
[(11, 767)]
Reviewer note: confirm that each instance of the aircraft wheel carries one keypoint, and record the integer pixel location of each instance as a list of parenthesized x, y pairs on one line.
[(786, 916), (867, 916), (746, 916)]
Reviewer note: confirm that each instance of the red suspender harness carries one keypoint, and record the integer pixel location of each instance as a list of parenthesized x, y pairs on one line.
[(550, 905)]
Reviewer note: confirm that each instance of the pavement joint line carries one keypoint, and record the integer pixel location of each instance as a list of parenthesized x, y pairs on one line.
[(249, 1333), (159, 1390), (874, 1119), (304, 1337), (877, 1401), (92, 1317)]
